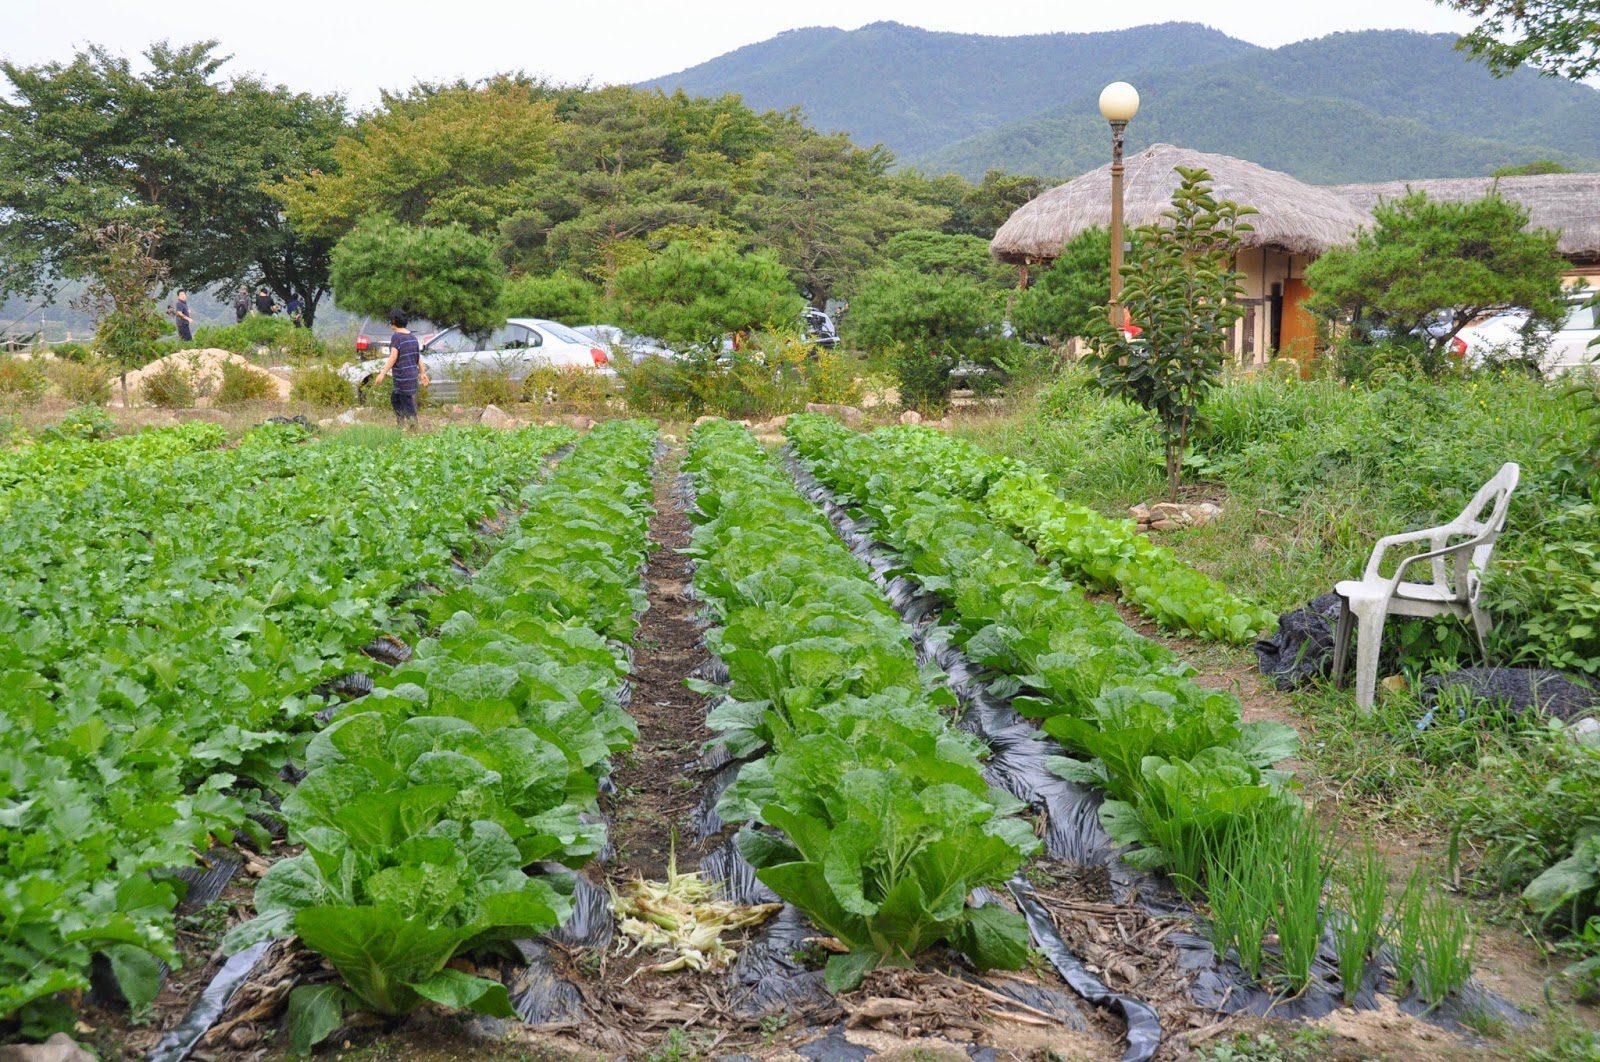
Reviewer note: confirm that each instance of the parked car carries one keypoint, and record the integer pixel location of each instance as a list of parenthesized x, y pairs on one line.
[(372, 338), (636, 347), (515, 348), (1558, 351), (820, 328)]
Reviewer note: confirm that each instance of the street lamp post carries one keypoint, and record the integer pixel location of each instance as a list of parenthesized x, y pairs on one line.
[(1119, 102)]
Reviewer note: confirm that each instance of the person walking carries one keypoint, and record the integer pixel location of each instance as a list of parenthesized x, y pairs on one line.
[(264, 304), (180, 313), (241, 304), (405, 365)]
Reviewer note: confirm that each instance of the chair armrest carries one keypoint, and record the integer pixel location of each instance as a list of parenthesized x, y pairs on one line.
[(1373, 572), (1433, 554)]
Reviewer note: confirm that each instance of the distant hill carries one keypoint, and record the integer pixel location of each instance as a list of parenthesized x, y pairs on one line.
[(917, 90), (1367, 106)]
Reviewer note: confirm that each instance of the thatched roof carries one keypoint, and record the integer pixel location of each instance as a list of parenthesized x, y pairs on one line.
[(1566, 202), (1294, 216)]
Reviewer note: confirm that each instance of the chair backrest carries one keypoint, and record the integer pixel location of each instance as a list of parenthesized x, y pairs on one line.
[(1474, 522)]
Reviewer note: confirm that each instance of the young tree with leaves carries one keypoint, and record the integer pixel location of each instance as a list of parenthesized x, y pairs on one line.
[(120, 294), (445, 274), (1423, 255), (1181, 289)]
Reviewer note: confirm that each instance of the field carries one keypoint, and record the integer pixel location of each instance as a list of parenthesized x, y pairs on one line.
[(684, 742)]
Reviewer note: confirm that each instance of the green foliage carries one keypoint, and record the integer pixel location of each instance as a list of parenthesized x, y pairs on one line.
[(243, 384), (483, 387), (125, 269), (281, 338), (557, 296), (1531, 169), (923, 376), (89, 143), (82, 382), (71, 351), (690, 296), (22, 382), (1067, 298), (1358, 926), (928, 321), (1423, 256), (1180, 288), (445, 275), (968, 257), (774, 374), (1553, 36), (169, 387), (321, 385), (887, 821)]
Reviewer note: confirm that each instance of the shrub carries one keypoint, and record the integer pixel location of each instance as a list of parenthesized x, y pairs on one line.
[(83, 382), (242, 384), (280, 337), (72, 351), (694, 296), (21, 382), (923, 375), (559, 296), (485, 387), (577, 388), (747, 383), (169, 387), (90, 423), (322, 386)]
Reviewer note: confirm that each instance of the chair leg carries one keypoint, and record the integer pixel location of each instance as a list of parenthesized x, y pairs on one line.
[(1482, 624), (1369, 640), (1341, 641)]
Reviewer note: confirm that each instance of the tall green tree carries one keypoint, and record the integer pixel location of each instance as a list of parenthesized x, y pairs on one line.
[(696, 296), (124, 272), (825, 207), (176, 149), (1068, 298), (1423, 255), (1560, 37), (1180, 287), (928, 251), (446, 274)]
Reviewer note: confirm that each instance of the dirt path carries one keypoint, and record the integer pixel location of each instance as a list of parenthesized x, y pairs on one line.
[(657, 784)]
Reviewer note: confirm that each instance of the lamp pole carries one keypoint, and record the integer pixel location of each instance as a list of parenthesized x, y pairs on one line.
[(1119, 102)]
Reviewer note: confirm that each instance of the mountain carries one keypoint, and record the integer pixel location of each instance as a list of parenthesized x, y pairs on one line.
[(917, 90), (1363, 106)]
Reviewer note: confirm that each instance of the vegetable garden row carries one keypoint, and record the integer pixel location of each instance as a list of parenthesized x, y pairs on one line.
[(171, 644)]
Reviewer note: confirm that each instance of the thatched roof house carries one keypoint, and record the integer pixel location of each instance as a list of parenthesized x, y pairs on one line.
[(1295, 217), (1566, 202)]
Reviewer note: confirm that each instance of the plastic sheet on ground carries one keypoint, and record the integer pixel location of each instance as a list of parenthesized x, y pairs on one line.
[(206, 1010), (1301, 649), (1514, 689)]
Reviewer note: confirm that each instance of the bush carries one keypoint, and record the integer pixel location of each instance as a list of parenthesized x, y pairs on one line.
[(322, 386), (280, 337), (241, 384), (750, 383), (83, 382), (90, 423), (568, 386), (923, 376), (21, 382), (169, 387), (692, 296), (489, 387), (72, 351)]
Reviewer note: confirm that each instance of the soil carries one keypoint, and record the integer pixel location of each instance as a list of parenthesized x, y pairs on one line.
[(658, 781)]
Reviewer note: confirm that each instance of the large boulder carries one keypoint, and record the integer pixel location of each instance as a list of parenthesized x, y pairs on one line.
[(203, 367), (495, 417), (849, 414)]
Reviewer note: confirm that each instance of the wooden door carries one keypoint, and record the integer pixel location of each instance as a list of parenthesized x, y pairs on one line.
[(1298, 338)]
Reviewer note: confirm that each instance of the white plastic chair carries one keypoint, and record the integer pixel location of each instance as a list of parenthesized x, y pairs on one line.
[(1457, 578)]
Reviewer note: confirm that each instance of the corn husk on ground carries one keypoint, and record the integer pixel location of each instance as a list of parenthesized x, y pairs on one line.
[(683, 916)]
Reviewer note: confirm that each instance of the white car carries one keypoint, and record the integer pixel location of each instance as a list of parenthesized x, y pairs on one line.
[(636, 347), (516, 348), (1503, 334)]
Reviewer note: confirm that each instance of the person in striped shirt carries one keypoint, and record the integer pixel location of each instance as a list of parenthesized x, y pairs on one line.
[(405, 365)]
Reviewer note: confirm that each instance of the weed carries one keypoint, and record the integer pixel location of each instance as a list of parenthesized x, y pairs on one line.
[(242, 384), (771, 1025), (81, 381), (488, 387), (676, 1047), (1299, 1045), (322, 386), (169, 387), (21, 382)]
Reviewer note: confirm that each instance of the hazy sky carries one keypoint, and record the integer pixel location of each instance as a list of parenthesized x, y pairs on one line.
[(360, 46)]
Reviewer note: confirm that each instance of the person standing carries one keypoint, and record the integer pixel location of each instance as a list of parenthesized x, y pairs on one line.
[(264, 304), (180, 313), (241, 304), (405, 365), (294, 309)]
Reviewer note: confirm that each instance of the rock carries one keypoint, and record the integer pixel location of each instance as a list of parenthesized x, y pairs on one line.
[(1164, 525), (1163, 516), (349, 416), (242, 1037), (326, 422), (849, 414), (1586, 731), (580, 422), (495, 417), (911, 416), (59, 1048)]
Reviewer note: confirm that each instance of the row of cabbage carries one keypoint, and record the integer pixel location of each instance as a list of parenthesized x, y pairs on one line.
[(57, 466), (474, 760), (1102, 552), (1174, 757), (161, 641), (886, 821)]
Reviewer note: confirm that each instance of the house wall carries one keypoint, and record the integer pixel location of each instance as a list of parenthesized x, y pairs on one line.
[(1262, 268)]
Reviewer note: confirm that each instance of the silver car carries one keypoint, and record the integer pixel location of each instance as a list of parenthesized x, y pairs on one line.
[(636, 347), (516, 348)]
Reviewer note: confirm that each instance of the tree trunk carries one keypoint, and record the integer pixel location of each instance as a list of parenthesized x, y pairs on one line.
[(1174, 464)]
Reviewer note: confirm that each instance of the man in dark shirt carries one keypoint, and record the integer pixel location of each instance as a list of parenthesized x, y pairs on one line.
[(180, 313), (241, 304), (405, 364), (293, 310), (264, 304)]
